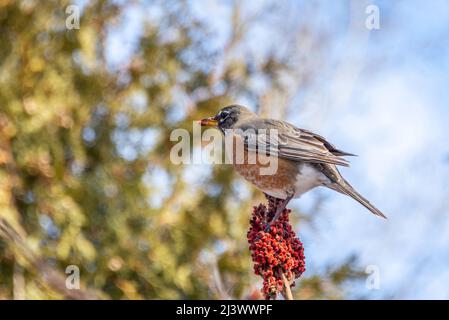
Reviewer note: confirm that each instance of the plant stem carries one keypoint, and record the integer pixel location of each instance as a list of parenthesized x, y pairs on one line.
[(287, 290)]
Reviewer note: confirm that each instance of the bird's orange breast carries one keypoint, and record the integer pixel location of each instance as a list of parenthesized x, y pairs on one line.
[(252, 166)]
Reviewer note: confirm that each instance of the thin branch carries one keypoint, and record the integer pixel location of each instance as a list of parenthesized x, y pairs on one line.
[(287, 290), (218, 284)]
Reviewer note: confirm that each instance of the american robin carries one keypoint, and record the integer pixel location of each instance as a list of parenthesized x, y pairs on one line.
[(305, 160)]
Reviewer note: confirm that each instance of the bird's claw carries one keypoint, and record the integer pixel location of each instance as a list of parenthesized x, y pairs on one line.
[(268, 227)]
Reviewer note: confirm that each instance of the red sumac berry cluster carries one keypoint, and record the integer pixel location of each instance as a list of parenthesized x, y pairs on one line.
[(276, 251)]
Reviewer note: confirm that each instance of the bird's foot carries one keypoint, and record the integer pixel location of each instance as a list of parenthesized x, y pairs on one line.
[(279, 210), (268, 227)]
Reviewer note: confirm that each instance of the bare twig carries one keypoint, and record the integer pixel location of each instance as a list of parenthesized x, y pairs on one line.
[(218, 284), (287, 290)]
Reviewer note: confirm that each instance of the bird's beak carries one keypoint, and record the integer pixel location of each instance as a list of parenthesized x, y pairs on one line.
[(208, 122)]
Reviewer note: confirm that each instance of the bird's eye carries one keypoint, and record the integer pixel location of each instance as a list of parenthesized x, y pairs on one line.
[(223, 115)]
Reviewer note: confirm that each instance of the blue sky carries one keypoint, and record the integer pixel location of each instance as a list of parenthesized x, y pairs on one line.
[(383, 95)]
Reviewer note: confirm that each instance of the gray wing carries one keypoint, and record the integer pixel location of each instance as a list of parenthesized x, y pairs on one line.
[(283, 139)]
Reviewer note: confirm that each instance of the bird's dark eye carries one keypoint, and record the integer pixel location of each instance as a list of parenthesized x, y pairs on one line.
[(226, 118), (223, 115)]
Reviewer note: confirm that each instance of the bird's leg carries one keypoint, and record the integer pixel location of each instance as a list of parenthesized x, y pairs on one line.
[(280, 209)]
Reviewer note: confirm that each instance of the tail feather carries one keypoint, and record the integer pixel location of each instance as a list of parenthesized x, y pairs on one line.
[(345, 188)]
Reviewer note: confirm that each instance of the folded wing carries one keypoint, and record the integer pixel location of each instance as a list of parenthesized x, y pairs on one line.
[(286, 141)]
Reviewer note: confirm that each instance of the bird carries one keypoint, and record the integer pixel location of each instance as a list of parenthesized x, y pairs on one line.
[(305, 160)]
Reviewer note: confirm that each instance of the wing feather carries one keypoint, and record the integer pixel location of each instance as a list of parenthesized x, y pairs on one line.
[(289, 142)]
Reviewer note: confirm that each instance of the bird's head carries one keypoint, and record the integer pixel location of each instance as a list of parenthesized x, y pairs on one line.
[(228, 116)]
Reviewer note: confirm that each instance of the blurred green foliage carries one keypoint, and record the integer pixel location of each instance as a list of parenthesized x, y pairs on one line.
[(79, 152)]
